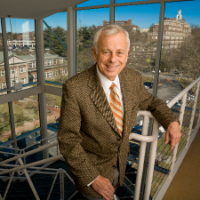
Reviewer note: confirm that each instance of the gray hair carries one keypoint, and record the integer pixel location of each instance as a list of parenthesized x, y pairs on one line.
[(110, 30)]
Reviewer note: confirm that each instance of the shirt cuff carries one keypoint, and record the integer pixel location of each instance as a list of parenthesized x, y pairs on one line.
[(92, 181)]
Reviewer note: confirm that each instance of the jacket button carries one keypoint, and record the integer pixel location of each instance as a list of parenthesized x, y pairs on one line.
[(114, 166), (118, 139)]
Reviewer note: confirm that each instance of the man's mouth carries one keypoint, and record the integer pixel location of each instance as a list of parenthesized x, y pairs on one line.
[(111, 67)]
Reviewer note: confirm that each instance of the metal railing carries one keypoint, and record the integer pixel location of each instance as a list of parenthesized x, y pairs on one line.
[(26, 171), (168, 168), (170, 161)]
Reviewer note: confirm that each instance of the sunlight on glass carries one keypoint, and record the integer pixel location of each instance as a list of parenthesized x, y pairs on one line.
[(87, 25), (21, 53), (55, 55)]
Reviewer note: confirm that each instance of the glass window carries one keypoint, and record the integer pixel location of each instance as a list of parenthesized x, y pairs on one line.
[(179, 67), (23, 80), (85, 34), (93, 3), (5, 130), (22, 69), (2, 72), (21, 46), (3, 85), (55, 56), (13, 71), (2, 67), (143, 37), (26, 115), (53, 110)]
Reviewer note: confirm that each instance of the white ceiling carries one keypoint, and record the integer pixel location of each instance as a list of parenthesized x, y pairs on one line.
[(34, 9)]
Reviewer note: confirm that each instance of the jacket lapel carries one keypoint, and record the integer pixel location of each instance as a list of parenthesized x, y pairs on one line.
[(99, 99), (128, 99)]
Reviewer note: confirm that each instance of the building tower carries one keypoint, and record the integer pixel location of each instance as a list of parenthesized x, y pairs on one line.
[(179, 15)]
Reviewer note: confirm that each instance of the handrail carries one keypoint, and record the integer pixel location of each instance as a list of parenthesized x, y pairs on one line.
[(178, 156), (3, 152), (33, 164), (141, 138), (144, 138), (30, 152), (175, 99)]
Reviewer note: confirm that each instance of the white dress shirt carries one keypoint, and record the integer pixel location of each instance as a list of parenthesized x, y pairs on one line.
[(106, 83)]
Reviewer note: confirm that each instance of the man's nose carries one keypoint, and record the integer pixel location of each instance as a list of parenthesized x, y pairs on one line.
[(113, 57)]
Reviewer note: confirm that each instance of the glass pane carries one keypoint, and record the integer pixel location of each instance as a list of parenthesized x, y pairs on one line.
[(142, 50), (21, 54), (3, 85), (53, 111), (179, 67), (5, 130), (86, 30), (55, 56), (26, 115), (28, 139), (93, 3)]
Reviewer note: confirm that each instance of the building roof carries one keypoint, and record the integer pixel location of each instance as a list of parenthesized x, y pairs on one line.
[(27, 58)]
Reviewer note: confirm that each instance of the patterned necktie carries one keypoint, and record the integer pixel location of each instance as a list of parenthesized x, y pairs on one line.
[(116, 107)]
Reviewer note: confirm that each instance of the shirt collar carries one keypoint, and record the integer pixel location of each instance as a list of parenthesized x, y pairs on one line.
[(105, 82)]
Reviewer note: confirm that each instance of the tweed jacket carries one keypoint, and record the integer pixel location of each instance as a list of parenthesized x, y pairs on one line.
[(88, 136)]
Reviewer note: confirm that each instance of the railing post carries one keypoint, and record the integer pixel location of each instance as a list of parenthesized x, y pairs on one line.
[(61, 185), (8, 186), (141, 158), (181, 116), (193, 113), (29, 181), (198, 121), (152, 157), (9, 183), (52, 185)]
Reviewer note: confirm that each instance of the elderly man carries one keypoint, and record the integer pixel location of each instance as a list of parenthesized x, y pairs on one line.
[(99, 107)]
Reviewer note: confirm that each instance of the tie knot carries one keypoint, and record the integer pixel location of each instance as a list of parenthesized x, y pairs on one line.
[(112, 86)]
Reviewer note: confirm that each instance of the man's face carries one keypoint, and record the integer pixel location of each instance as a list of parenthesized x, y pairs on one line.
[(112, 54)]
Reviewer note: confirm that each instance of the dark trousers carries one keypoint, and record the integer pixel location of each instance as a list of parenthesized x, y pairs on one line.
[(114, 184)]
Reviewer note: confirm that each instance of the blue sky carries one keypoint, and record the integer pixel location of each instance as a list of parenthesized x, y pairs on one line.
[(141, 15)]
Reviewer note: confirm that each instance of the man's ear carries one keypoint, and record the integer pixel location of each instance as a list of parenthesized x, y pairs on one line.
[(94, 53)]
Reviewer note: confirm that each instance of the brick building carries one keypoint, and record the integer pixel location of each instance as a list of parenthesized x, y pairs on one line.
[(175, 31), (24, 67), (122, 23)]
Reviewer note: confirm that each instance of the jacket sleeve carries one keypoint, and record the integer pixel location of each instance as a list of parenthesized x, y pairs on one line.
[(156, 106), (69, 138)]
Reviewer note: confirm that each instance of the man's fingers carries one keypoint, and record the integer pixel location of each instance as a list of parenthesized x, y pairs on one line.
[(173, 132), (166, 137), (103, 187)]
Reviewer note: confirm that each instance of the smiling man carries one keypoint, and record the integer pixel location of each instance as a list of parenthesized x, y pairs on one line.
[(99, 107)]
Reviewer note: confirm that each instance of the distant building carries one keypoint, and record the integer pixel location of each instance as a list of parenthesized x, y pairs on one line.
[(176, 30), (21, 43), (122, 23), (144, 30), (23, 68)]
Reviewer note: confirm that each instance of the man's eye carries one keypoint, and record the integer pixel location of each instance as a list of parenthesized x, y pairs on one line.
[(120, 53)]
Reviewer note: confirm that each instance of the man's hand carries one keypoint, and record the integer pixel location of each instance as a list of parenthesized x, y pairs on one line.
[(103, 187), (173, 131)]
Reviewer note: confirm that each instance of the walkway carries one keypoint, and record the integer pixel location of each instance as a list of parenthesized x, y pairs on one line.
[(186, 183)]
